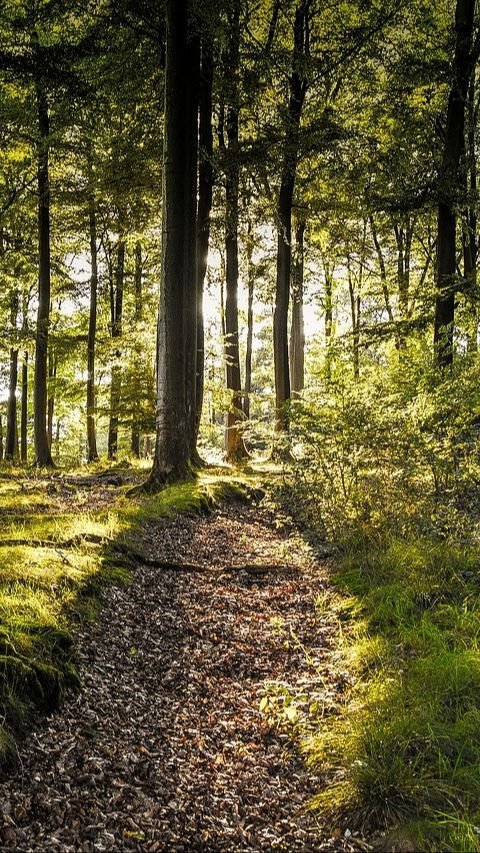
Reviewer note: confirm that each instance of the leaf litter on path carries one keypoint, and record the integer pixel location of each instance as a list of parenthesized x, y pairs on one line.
[(165, 748)]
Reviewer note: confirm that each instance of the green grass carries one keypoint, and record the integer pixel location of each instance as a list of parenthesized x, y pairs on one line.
[(405, 751)]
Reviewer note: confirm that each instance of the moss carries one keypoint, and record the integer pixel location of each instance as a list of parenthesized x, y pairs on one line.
[(17, 676)]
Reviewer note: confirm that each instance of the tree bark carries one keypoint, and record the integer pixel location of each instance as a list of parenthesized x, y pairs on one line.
[(449, 185), (24, 413), (116, 303), (298, 88), (328, 318), (11, 441), (172, 450), (384, 280), (248, 354), (205, 196), (297, 332), (470, 249), (43, 455), (190, 247), (52, 373), (235, 447), (135, 438), (92, 452)]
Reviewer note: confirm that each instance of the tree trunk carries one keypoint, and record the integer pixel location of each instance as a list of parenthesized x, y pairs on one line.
[(52, 373), (135, 440), (248, 354), (355, 311), (449, 185), (190, 247), (116, 303), (137, 282), (235, 447), (384, 280), (11, 441), (92, 452), (298, 88), (297, 332), (172, 450), (205, 196), (470, 250), (24, 414), (328, 319), (43, 455)]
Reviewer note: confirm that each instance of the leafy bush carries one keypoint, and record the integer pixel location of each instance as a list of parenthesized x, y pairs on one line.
[(372, 459)]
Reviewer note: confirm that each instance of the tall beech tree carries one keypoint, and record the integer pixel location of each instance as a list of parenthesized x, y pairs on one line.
[(229, 125), (205, 198), (297, 329), (43, 456), (92, 326), (173, 448), (116, 283), (297, 91), (451, 182), (193, 54), (11, 439)]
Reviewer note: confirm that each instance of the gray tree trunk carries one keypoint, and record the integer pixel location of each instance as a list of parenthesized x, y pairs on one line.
[(43, 455), (450, 183), (172, 449)]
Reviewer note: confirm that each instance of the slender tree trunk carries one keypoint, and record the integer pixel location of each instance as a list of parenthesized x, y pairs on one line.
[(136, 423), (205, 196), (298, 88), (235, 447), (449, 185), (328, 319), (470, 250), (116, 318), (355, 312), (384, 281), (172, 450), (43, 455), (11, 441), (190, 248), (52, 373), (24, 413), (92, 452), (137, 282), (297, 332), (248, 354), (1, 438)]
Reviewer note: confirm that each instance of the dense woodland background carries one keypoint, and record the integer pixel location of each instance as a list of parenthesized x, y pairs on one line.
[(251, 226), (336, 175)]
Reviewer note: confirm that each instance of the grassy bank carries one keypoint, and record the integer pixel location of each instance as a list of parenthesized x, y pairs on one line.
[(406, 749), (55, 558), (401, 755)]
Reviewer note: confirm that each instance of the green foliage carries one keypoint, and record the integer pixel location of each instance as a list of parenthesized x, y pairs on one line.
[(378, 456), (388, 469)]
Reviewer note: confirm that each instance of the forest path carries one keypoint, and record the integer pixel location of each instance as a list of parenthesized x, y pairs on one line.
[(165, 748)]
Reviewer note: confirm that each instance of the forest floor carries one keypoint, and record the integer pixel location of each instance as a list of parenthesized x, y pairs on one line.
[(165, 747)]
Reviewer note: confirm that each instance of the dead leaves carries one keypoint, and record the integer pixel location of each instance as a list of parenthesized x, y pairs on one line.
[(166, 749)]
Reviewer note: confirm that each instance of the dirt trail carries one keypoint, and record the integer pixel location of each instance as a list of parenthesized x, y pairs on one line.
[(165, 748)]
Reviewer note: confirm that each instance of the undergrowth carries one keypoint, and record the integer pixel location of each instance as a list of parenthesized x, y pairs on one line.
[(393, 482)]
